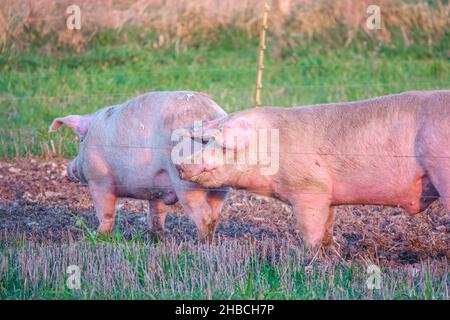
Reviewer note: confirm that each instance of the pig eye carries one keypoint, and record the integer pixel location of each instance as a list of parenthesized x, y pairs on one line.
[(205, 142), (202, 141), (198, 140)]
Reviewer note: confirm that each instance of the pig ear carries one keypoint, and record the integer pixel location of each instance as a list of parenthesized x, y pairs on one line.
[(212, 123), (236, 133), (79, 124), (201, 131)]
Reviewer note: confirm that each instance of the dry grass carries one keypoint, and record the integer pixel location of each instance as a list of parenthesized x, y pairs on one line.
[(182, 23), (231, 269)]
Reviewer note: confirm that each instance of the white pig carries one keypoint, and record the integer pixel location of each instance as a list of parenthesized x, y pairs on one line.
[(125, 152), (392, 150)]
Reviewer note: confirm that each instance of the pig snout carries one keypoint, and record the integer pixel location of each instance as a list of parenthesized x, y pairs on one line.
[(184, 171), (190, 171)]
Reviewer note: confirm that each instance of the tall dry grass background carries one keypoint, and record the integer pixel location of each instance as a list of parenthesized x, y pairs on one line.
[(183, 23)]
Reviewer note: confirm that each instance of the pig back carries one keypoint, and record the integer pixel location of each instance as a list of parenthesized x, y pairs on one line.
[(152, 117), (137, 133), (183, 109)]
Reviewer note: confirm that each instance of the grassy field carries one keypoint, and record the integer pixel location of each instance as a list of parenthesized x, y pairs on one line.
[(233, 269), (34, 89)]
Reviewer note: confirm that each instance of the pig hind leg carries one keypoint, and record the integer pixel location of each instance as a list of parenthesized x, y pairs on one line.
[(105, 206), (156, 217), (441, 181), (435, 158), (440, 176), (433, 150)]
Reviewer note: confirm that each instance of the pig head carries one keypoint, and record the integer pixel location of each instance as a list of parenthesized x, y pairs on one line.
[(392, 150), (125, 152), (230, 152)]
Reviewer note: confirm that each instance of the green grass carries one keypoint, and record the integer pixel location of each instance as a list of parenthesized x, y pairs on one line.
[(231, 269), (35, 88), (115, 268)]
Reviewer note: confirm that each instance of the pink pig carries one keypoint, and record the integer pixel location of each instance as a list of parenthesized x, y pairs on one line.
[(392, 150), (125, 152)]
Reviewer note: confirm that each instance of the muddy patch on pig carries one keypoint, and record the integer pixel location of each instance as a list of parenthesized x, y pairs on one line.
[(38, 203)]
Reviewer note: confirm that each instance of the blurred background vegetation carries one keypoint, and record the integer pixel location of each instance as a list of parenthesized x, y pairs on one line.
[(318, 51)]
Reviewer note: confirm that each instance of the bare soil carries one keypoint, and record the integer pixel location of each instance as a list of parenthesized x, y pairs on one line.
[(38, 203)]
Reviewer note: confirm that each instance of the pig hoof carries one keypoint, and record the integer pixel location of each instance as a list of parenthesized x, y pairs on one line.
[(336, 247), (207, 239), (322, 254), (330, 253), (105, 226), (104, 230), (157, 235), (331, 245)]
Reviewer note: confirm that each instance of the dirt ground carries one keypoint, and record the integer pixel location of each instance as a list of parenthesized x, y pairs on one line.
[(38, 203)]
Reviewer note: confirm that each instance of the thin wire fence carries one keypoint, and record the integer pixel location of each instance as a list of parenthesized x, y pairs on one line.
[(272, 153), (372, 155), (178, 71), (442, 82), (187, 186), (137, 75)]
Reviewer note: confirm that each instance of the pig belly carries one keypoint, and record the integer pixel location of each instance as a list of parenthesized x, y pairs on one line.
[(148, 187), (414, 196)]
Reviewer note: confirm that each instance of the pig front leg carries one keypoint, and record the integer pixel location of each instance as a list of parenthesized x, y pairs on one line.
[(215, 199), (105, 206), (156, 217), (315, 219)]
